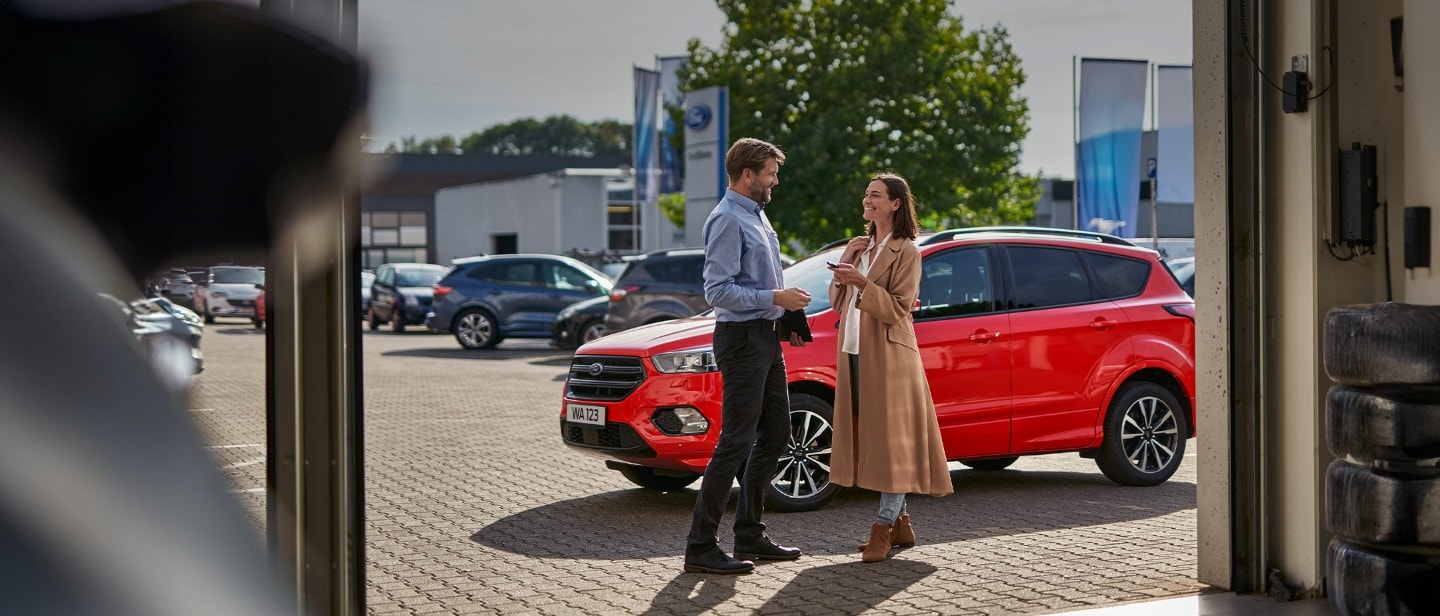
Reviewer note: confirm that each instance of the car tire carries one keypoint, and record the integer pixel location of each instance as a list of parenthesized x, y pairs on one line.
[(476, 329), (802, 483), (1145, 433), (1368, 580), (990, 464), (397, 321), (373, 320), (592, 330), (646, 477), (1385, 343), (1380, 508), (1395, 424)]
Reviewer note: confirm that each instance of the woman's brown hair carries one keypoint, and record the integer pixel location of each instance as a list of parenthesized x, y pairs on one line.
[(905, 225)]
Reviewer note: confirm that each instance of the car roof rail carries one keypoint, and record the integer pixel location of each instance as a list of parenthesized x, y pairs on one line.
[(1104, 238), (670, 251)]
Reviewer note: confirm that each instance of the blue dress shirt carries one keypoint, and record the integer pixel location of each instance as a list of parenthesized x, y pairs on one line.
[(742, 261)]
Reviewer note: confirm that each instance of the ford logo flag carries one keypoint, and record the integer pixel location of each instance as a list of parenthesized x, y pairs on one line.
[(697, 117)]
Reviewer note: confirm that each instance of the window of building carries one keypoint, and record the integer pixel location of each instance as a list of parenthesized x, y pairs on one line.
[(393, 237)]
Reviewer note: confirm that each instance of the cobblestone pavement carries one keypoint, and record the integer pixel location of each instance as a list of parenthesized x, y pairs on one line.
[(474, 506)]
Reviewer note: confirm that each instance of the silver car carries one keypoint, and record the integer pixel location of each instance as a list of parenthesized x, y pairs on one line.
[(229, 291)]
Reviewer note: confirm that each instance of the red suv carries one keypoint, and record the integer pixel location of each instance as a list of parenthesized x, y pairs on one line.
[(1034, 341)]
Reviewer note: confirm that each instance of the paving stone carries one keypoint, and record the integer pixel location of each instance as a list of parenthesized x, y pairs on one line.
[(474, 506)]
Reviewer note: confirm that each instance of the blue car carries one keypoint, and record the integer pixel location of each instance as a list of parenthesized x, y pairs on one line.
[(484, 300), (401, 293)]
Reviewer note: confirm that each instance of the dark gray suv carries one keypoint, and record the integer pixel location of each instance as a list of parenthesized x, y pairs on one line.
[(658, 286)]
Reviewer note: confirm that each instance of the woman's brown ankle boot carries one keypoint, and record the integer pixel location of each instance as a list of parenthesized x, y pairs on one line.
[(878, 548), (903, 536)]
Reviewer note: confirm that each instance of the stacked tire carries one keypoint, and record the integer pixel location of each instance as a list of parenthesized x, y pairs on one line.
[(1383, 493)]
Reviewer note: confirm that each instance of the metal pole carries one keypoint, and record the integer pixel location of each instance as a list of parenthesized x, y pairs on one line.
[(1075, 139), (1154, 220)]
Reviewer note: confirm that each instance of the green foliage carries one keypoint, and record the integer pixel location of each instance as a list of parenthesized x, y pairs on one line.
[(851, 88), (560, 134), (672, 205)]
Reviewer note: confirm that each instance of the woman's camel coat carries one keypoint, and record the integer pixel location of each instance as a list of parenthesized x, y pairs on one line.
[(891, 442)]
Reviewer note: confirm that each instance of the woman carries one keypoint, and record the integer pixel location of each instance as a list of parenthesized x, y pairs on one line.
[(887, 438)]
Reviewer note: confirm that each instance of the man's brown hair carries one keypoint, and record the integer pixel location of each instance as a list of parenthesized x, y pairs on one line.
[(750, 153)]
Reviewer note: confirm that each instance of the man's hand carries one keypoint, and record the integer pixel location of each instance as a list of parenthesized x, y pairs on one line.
[(796, 340), (793, 298)]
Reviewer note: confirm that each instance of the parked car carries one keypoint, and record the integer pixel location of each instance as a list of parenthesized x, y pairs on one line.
[(367, 278), (173, 284), (484, 300), (1032, 343), (229, 291), (169, 335), (260, 308), (1184, 270), (580, 323), (401, 294), (658, 286)]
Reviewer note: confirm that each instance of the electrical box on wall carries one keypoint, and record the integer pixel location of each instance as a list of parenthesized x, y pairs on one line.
[(1417, 236), (1358, 185)]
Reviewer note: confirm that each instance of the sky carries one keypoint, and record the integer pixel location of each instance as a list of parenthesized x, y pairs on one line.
[(457, 66)]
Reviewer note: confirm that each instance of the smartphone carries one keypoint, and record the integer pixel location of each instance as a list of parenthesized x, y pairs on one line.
[(832, 264)]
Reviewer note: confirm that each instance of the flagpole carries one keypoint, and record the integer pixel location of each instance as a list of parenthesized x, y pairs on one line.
[(1155, 125), (1075, 140)]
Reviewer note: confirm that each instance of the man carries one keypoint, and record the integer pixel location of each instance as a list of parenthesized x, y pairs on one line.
[(742, 283)]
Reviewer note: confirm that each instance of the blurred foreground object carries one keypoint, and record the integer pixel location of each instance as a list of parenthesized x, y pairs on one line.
[(128, 142)]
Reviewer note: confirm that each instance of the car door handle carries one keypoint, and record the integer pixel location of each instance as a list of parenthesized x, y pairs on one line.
[(984, 336), (1103, 324)]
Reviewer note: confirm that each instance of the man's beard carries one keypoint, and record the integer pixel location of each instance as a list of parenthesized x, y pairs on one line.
[(757, 192)]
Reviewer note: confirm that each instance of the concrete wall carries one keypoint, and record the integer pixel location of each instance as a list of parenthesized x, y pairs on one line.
[(1215, 525), (1422, 139), (549, 213)]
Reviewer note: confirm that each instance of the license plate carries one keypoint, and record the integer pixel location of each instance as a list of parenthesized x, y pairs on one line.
[(585, 414)]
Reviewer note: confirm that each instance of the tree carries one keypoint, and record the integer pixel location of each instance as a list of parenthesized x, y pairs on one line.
[(849, 88), (560, 134)]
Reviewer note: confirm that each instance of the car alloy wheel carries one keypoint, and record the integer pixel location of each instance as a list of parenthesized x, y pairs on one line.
[(475, 330), (592, 331), (802, 477), (1145, 436)]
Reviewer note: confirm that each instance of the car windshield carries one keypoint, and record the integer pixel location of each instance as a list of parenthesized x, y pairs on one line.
[(419, 276), (237, 275), (812, 275)]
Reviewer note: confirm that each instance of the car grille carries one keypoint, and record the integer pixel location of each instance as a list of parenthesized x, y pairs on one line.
[(614, 379), (241, 303), (614, 436)]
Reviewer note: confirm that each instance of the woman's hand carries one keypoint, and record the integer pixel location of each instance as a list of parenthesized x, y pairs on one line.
[(855, 246), (847, 274)]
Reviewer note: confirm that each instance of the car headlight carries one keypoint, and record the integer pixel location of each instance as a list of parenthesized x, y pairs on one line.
[(218, 294), (698, 360)]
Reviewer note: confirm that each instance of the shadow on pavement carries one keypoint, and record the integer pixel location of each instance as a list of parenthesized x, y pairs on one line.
[(681, 595), (640, 523), (817, 587), (241, 331)]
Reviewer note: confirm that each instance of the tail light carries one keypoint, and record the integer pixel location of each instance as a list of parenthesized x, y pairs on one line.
[(442, 290), (1181, 310), (619, 293)]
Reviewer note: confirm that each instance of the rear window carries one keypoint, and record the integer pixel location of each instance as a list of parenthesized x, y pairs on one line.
[(1048, 277), (1119, 276), (687, 270)]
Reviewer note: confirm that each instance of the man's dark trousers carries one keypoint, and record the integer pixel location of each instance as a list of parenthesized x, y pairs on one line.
[(754, 425)]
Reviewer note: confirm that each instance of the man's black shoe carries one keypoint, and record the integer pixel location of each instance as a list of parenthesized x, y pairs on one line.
[(715, 560), (765, 549)]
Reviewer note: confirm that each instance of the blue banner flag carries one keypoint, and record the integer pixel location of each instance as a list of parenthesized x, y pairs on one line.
[(1175, 138), (1107, 172), (671, 173), (647, 116)]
